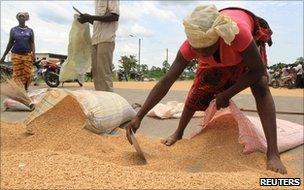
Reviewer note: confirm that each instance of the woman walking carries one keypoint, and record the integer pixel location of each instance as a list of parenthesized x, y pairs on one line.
[(22, 46)]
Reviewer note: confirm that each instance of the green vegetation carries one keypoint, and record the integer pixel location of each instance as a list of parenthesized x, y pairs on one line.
[(130, 65), (281, 65)]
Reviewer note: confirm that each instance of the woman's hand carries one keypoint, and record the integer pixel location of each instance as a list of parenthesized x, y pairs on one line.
[(133, 125), (222, 100)]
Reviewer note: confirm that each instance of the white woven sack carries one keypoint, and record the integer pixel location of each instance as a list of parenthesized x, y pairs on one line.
[(105, 111), (79, 53)]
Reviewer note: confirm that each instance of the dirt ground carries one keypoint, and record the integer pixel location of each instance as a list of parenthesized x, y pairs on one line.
[(185, 86)]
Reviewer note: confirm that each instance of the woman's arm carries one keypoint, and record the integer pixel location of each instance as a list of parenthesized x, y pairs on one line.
[(159, 91), (254, 63), (163, 86), (9, 46)]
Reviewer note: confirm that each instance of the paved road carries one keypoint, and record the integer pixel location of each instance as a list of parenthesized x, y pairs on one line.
[(290, 104)]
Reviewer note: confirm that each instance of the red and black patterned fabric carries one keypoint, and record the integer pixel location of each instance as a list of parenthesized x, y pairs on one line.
[(211, 81)]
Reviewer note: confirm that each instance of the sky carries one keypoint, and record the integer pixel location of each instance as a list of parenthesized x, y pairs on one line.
[(157, 23)]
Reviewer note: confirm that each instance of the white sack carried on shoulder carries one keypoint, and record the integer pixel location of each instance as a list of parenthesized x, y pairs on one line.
[(79, 53)]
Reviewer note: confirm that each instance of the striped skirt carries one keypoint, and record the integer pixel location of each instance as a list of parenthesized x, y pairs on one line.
[(22, 68)]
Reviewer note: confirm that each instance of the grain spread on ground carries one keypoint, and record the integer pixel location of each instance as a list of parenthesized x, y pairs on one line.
[(62, 154)]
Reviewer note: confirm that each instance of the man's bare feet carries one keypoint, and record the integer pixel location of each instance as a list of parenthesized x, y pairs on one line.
[(275, 164), (172, 139)]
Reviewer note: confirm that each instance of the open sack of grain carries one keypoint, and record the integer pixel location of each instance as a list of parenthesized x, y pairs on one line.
[(104, 111), (251, 134)]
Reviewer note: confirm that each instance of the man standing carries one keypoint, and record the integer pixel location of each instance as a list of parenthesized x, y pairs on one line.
[(105, 24)]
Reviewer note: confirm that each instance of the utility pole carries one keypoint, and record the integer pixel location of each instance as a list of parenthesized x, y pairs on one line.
[(139, 42), (167, 55)]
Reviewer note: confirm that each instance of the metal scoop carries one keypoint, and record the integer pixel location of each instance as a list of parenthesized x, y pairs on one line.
[(137, 147), (77, 10)]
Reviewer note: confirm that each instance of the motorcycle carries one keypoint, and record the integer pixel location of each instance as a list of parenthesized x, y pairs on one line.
[(121, 75), (136, 76), (47, 71), (278, 81)]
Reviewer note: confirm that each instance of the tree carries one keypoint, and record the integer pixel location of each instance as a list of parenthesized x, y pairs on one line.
[(143, 68), (128, 63), (278, 65), (189, 72), (166, 66), (156, 72), (300, 60)]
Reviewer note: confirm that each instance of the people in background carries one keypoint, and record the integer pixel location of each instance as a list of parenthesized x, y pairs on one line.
[(285, 71)]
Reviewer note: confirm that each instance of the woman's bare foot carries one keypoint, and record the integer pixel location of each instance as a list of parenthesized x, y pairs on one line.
[(275, 164), (172, 139)]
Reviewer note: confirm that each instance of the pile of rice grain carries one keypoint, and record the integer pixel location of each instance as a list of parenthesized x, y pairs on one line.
[(62, 154)]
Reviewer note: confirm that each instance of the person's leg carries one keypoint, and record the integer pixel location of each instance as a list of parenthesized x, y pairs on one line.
[(298, 81), (266, 110), (104, 66), (18, 69), (94, 66), (301, 81), (28, 65), (109, 66), (199, 97)]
